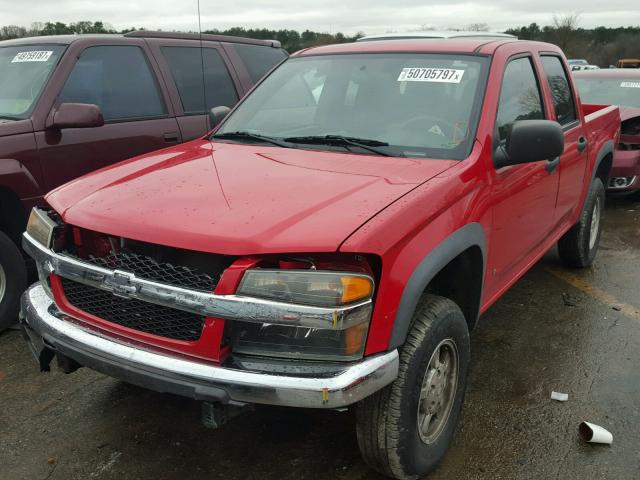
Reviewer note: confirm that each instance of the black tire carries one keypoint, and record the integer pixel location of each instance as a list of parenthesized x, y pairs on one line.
[(13, 281), (387, 422), (578, 248)]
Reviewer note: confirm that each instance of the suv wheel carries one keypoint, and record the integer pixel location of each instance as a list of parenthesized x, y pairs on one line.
[(13, 281), (578, 247), (405, 429)]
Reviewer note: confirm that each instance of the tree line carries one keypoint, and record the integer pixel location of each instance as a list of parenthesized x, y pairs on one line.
[(601, 46), (291, 40)]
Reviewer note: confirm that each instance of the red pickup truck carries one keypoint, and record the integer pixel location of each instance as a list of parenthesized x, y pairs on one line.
[(334, 241), (71, 104)]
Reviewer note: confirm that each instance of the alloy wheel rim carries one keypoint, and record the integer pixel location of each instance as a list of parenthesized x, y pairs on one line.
[(438, 391), (595, 224), (3, 283)]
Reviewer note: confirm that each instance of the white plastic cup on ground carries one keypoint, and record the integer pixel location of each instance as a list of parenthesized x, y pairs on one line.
[(592, 433)]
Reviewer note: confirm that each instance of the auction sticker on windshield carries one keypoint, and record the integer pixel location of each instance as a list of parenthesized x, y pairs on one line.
[(630, 84), (417, 74), (34, 56)]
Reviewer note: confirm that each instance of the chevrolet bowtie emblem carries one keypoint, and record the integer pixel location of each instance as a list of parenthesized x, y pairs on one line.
[(120, 284)]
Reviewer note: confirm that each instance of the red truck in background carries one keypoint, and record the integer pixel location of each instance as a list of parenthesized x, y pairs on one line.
[(72, 104), (619, 87), (334, 241)]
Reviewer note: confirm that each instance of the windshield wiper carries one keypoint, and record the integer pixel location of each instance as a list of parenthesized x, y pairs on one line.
[(251, 136), (340, 140)]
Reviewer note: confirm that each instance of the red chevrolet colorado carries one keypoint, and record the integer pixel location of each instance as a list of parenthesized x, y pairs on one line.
[(334, 241)]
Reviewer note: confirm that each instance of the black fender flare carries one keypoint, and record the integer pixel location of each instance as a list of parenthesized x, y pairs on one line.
[(470, 235), (606, 149)]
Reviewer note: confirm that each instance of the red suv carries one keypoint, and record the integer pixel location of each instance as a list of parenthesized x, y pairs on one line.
[(73, 104)]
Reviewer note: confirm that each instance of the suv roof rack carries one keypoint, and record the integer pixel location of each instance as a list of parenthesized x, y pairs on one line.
[(205, 36)]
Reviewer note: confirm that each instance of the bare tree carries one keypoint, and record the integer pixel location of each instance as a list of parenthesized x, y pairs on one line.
[(566, 28), (477, 27)]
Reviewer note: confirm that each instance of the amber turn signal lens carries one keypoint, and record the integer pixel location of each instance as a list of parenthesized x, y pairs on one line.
[(354, 338), (355, 288)]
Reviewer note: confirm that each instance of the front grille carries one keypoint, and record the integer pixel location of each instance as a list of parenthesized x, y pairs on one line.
[(146, 267), (138, 315)]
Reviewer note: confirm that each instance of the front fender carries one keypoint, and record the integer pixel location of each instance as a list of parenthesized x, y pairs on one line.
[(462, 239), (16, 177)]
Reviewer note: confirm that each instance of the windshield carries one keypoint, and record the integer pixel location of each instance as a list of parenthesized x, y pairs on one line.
[(24, 70), (418, 105), (624, 92)]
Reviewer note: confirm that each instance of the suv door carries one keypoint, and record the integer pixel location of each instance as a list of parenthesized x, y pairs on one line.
[(120, 80), (524, 196), (573, 162), (196, 92)]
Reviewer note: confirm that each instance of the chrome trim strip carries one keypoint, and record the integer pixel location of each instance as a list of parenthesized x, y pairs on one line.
[(228, 307), (48, 328)]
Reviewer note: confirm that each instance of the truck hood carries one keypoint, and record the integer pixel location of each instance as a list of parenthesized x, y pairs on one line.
[(240, 199)]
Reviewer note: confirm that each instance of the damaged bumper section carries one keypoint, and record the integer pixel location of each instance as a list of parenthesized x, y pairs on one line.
[(49, 332)]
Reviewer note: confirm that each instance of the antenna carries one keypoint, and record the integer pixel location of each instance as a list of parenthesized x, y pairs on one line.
[(204, 83)]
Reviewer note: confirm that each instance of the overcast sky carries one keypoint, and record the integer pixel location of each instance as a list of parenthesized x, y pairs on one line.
[(348, 16)]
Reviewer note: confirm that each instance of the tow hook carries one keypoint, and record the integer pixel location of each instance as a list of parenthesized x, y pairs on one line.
[(215, 415)]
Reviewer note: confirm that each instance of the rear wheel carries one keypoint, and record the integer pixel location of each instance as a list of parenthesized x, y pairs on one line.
[(13, 281), (578, 247), (405, 429)]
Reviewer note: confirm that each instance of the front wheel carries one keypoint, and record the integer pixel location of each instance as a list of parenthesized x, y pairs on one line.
[(405, 429), (578, 247)]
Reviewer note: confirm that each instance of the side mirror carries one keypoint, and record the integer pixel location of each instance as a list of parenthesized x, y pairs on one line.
[(77, 115), (217, 114), (530, 141)]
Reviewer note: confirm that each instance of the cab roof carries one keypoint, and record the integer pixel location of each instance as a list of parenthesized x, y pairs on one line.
[(68, 39), (432, 45)]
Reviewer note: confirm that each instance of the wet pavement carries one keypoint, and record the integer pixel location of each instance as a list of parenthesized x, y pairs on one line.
[(571, 331)]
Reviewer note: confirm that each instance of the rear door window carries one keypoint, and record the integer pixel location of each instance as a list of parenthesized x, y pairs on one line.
[(259, 60), (197, 97), (118, 79), (520, 97), (560, 90)]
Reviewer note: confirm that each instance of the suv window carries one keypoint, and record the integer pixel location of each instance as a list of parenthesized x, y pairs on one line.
[(259, 60), (186, 68), (560, 90), (116, 78), (520, 97)]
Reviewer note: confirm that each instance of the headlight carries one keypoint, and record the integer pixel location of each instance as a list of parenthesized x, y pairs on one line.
[(307, 287), (41, 227), (343, 341)]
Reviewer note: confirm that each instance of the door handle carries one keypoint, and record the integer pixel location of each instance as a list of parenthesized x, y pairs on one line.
[(552, 164), (582, 144), (171, 137)]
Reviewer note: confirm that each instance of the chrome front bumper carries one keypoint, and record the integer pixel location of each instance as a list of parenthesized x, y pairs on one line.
[(48, 331)]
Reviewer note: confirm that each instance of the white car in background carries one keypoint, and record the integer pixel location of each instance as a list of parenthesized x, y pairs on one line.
[(435, 34)]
